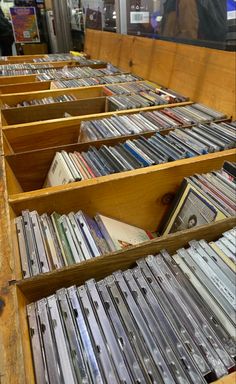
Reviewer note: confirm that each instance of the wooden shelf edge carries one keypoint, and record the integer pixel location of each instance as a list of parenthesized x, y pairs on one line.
[(230, 379), (24, 196), (44, 284)]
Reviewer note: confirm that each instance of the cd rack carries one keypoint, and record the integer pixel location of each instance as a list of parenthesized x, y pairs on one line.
[(140, 197)]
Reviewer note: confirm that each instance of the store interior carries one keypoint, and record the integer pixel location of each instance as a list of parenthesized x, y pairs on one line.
[(118, 192)]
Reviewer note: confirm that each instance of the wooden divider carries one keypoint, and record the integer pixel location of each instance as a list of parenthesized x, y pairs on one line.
[(25, 87), (205, 75)]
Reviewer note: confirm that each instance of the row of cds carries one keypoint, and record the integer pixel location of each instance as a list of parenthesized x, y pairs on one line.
[(90, 81), (81, 60), (143, 88), (77, 73), (149, 324), (53, 241), (8, 68), (21, 72), (161, 97), (56, 57), (48, 72), (48, 242), (152, 121), (128, 89), (43, 101), (142, 100), (142, 152)]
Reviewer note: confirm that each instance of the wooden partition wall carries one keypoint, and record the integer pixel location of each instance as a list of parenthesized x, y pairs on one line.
[(203, 74)]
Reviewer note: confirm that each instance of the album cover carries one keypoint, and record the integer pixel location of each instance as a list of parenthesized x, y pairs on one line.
[(191, 209), (120, 235)]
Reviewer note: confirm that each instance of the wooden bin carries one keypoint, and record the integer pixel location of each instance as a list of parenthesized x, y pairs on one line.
[(27, 171), (53, 111), (11, 80), (13, 98), (43, 134), (8, 80), (146, 192), (80, 93), (25, 87)]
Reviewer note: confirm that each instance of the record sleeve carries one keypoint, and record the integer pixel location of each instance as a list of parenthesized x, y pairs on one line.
[(120, 235), (190, 209)]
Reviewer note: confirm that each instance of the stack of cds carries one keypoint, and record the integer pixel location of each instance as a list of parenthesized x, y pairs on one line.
[(149, 324), (43, 101), (81, 60), (137, 153), (131, 124), (13, 68), (53, 241), (144, 99), (89, 81), (79, 73), (147, 91), (54, 57), (128, 89), (117, 103), (119, 125), (49, 71)]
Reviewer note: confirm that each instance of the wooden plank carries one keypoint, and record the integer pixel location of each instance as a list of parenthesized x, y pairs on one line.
[(110, 47), (230, 379), (11, 362), (25, 87), (126, 50), (79, 93), (7, 80), (99, 267), (142, 48), (53, 111), (23, 58), (93, 43), (11, 180), (162, 62), (205, 75), (88, 43), (148, 190), (25, 337)]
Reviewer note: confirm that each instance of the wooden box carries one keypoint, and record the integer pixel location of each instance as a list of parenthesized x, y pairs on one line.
[(54, 132), (53, 111), (79, 93)]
